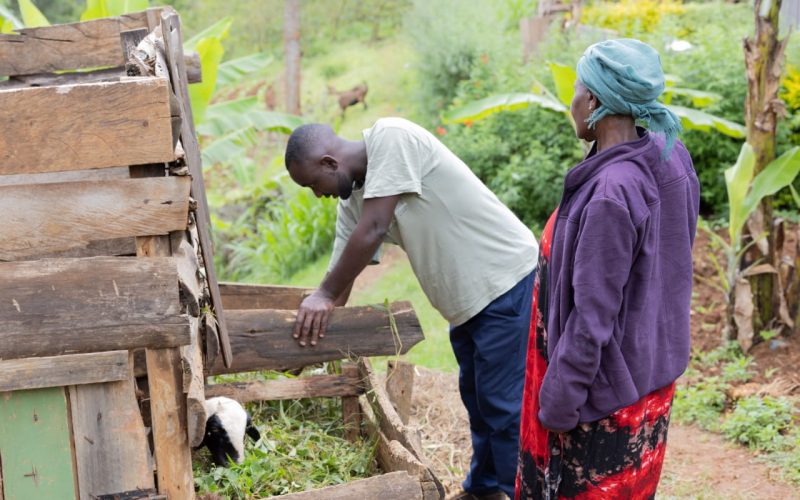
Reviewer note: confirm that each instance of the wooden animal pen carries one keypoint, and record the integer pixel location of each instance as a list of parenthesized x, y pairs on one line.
[(111, 316)]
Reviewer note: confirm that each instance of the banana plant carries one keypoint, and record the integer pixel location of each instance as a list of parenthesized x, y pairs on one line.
[(564, 78), (745, 192)]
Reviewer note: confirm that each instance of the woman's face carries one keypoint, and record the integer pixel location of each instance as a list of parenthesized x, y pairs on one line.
[(583, 104)]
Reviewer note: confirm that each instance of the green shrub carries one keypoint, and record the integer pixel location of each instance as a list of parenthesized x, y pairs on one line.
[(521, 156), (448, 51), (759, 423), (281, 229), (701, 403)]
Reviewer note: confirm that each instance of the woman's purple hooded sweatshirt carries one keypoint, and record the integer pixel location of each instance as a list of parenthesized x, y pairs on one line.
[(620, 280)]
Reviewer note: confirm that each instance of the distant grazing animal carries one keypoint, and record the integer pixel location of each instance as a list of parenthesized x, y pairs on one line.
[(226, 426), (350, 97)]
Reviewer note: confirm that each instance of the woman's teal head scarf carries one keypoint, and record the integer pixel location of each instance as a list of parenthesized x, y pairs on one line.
[(626, 77)]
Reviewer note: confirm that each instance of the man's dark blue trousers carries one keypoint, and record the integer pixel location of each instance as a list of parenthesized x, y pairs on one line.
[(490, 349)]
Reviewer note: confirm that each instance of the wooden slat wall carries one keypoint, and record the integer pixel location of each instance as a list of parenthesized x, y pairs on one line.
[(111, 449), (262, 339), (91, 305), (41, 218), (89, 44), (76, 127), (55, 371)]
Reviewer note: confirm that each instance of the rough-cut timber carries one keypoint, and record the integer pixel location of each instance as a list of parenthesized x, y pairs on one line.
[(168, 405), (262, 339), (90, 44), (56, 371), (351, 413), (245, 296), (93, 125), (316, 386), (89, 305), (392, 456), (394, 486), (173, 46), (111, 449), (40, 218), (97, 174)]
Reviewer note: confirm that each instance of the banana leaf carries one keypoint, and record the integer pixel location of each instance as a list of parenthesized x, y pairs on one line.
[(699, 98), (482, 108), (564, 77), (699, 120), (218, 30), (780, 172), (31, 16), (210, 51), (230, 116), (235, 70), (737, 181)]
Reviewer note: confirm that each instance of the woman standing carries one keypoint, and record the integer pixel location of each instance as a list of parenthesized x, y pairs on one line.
[(610, 328)]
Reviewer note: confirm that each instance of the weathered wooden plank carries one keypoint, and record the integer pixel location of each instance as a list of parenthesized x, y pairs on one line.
[(395, 485), (88, 44), (168, 406), (400, 387), (392, 456), (383, 419), (97, 174), (351, 413), (43, 218), (93, 125), (246, 296), (262, 339), (169, 418), (316, 386), (388, 420), (99, 248), (55, 371), (68, 306), (173, 47), (52, 79), (35, 448), (111, 448)]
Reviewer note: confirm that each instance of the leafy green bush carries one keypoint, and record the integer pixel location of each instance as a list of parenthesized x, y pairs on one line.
[(701, 403), (448, 51), (281, 229), (521, 156), (759, 422), (301, 447)]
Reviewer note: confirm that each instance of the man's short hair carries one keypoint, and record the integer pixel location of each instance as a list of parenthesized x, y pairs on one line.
[(302, 141)]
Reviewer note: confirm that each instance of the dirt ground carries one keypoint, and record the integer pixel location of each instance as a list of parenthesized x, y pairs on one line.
[(698, 464)]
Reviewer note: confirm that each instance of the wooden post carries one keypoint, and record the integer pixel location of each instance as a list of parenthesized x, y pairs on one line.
[(351, 412), (165, 380)]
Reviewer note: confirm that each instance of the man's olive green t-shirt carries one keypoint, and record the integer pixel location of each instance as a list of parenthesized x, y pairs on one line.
[(465, 246)]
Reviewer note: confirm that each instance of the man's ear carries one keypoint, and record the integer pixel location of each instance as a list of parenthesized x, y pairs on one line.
[(329, 163)]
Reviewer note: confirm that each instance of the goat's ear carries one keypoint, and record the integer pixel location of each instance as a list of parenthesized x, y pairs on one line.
[(251, 430)]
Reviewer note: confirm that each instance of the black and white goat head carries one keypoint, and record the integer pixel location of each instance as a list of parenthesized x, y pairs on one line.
[(226, 424)]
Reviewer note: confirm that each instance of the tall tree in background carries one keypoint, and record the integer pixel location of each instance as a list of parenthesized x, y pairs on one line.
[(763, 61), (291, 47)]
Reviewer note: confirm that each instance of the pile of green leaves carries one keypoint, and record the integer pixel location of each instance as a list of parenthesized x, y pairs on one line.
[(302, 447)]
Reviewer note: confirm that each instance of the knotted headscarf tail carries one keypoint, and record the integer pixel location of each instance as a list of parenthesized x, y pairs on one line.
[(626, 76)]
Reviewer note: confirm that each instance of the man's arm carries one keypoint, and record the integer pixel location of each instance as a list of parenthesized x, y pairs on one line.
[(315, 311)]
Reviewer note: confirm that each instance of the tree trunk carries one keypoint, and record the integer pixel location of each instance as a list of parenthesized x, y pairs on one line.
[(763, 59), (291, 46)]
